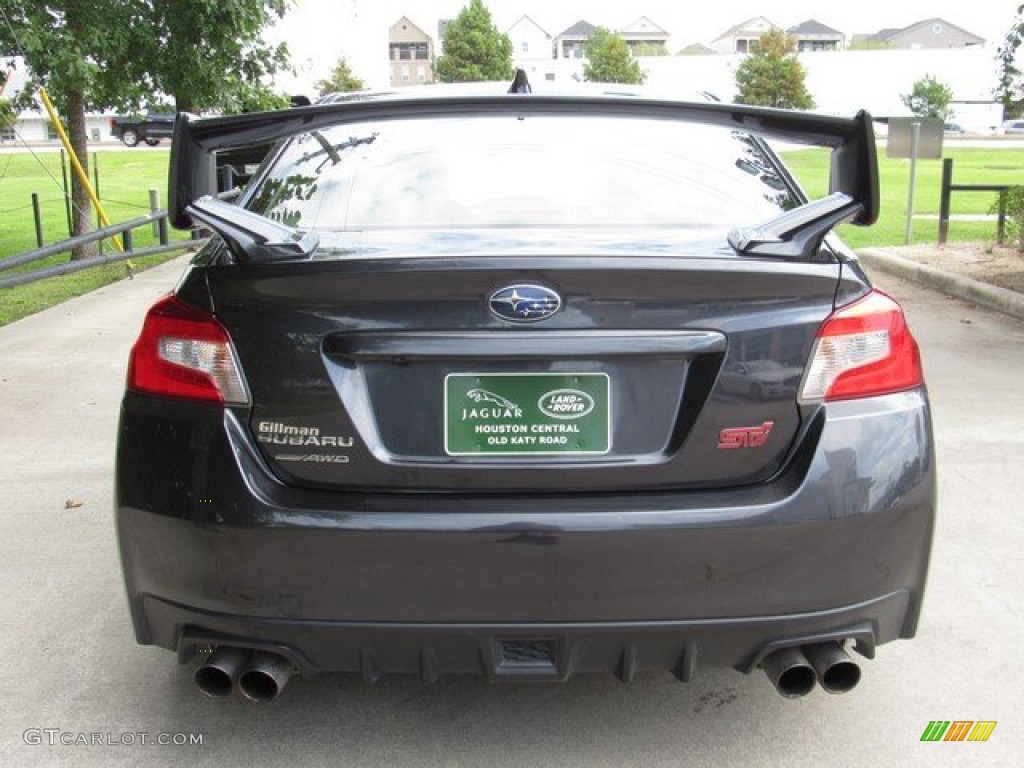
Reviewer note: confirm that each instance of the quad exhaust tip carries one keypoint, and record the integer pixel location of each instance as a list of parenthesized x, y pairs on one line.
[(259, 676), (216, 677), (835, 670), (265, 677), (794, 671)]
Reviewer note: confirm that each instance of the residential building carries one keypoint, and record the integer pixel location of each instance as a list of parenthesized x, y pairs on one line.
[(738, 39), (645, 38), (411, 51), (442, 30), (696, 49), (530, 41), (930, 33), (812, 35), (570, 44)]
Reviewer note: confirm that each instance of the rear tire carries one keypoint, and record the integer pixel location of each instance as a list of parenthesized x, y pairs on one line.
[(130, 137)]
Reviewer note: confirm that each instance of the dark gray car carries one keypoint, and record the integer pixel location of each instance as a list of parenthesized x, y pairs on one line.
[(454, 391)]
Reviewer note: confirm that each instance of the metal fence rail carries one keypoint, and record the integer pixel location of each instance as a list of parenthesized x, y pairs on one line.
[(948, 188), (158, 218)]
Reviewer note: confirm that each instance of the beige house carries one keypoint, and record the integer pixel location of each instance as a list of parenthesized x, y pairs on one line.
[(930, 33), (645, 38), (411, 51), (738, 39)]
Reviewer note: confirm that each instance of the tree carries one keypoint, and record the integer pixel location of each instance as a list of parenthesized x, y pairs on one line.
[(208, 55), (474, 49), (8, 116), (772, 76), (609, 60), (72, 48), (342, 80), (930, 97), (1010, 89)]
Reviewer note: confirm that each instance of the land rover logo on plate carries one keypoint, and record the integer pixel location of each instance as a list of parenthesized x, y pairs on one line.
[(525, 303), (566, 404)]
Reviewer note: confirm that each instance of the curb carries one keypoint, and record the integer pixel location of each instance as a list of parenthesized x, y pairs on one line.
[(1000, 299)]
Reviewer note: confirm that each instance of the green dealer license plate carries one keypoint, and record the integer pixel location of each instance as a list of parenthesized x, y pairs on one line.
[(527, 414)]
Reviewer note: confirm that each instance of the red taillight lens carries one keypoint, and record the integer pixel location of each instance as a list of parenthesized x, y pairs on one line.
[(184, 352), (863, 349)]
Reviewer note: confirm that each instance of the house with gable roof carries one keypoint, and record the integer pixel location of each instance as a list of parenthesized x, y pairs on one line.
[(530, 41), (738, 39), (645, 38), (570, 44), (812, 35), (929, 33)]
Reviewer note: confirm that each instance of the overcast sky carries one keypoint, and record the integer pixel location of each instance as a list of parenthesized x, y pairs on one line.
[(318, 31)]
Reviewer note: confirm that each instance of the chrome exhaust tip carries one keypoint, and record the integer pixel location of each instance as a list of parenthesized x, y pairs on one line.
[(216, 677), (835, 670), (265, 677), (790, 672)]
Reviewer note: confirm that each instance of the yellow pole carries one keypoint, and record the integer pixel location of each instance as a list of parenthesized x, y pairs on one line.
[(83, 177)]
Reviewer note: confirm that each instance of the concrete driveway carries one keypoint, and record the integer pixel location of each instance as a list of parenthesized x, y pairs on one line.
[(72, 671)]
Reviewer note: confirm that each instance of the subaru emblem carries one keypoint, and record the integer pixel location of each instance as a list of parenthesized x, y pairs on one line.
[(525, 303)]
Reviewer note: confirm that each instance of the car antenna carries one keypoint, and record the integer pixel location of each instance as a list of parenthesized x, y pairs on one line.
[(521, 83)]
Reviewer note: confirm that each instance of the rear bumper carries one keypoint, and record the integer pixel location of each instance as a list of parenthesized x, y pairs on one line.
[(215, 550)]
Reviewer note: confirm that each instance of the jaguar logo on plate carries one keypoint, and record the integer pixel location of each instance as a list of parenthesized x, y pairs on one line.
[(524, 303)]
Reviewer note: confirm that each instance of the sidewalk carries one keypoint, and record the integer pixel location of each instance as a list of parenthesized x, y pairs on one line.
[(984, 275)]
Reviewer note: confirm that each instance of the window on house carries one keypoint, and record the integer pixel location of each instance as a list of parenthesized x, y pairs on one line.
[(421, 73), (405, 72), (94, 134), (549, 76), (8, 134), (526, 46), (51, 133)]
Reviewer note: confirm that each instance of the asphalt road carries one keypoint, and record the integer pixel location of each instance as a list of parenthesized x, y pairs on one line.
[(70, 662)]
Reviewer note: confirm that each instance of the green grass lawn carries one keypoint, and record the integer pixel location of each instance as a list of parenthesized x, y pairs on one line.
[(970, 166), (125, 178)]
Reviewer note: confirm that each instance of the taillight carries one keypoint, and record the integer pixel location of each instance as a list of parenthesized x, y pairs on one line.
[(184, 352), (863, 349)]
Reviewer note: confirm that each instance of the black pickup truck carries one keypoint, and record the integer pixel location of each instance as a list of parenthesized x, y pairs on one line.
[(148, 128)]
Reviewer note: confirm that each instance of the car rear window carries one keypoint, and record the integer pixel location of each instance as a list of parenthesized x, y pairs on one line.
[(536, 171)]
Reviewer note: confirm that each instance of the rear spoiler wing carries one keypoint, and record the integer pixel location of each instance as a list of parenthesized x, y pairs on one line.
[(854, 167)]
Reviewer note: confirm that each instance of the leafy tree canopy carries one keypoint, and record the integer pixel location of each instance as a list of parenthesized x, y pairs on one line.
[(609, 60), (1010, 88), (930, 97), (342, 79), (474, 49), (772, 76), (7, 114)]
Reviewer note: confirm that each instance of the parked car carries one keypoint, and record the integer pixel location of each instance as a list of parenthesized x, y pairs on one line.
[(149, 129), (1013, 126), (448, 394)]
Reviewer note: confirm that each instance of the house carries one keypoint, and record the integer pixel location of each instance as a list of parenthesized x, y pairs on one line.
[(570, 44), (812, 35), (696, 49), (645, 38), (738, 39), (442, 30), (930, 33), (410, 51), (34, 126), (530, 41)]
